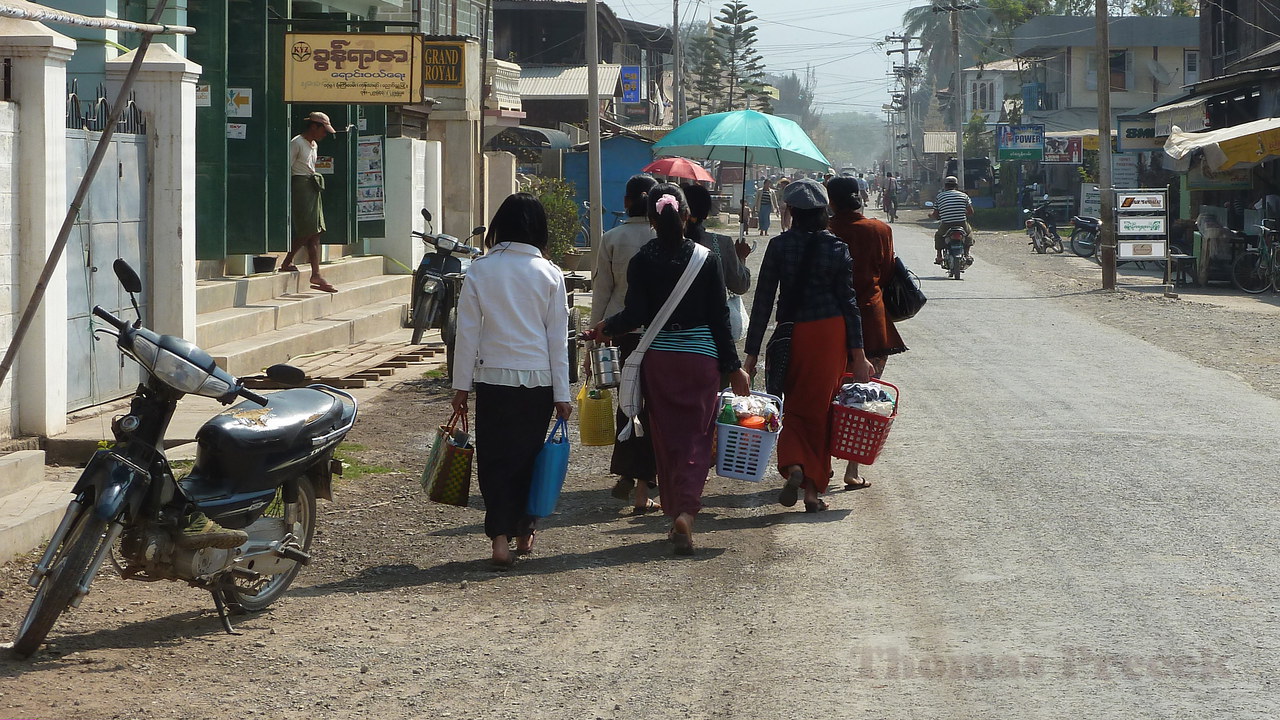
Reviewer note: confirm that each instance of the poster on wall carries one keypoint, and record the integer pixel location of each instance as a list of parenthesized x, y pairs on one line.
[(630, 78), (370, 201), (1124, 171), (1201, 178), (1020, 142), (365, 68), (1064, 150)]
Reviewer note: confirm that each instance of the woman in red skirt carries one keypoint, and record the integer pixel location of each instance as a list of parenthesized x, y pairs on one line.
[(870, 244), (811, 273), (680, 373)]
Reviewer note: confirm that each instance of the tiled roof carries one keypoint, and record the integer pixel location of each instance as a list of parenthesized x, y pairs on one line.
[(565, 82)]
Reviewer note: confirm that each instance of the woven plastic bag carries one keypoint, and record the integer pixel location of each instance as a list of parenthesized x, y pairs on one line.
[(596, 418), (447, 476)]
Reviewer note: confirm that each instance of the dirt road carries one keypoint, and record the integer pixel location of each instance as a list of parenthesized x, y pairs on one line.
[(1073, 520)]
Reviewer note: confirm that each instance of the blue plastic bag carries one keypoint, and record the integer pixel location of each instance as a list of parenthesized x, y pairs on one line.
[(549, 471)]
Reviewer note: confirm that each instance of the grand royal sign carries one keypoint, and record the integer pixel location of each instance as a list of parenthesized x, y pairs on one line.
[(355, 68)]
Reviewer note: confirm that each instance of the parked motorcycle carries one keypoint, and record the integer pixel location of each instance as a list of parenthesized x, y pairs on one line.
[(259, 468), (1042, 230), (437, 283), (1084, 235), (955, 256)]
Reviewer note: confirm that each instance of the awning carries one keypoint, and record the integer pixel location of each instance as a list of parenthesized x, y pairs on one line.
[(23, 10), (939, 143), (566, 82), (1189, 115), (1238, 146)]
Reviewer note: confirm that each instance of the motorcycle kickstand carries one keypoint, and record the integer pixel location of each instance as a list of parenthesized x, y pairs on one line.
[(222, 614)]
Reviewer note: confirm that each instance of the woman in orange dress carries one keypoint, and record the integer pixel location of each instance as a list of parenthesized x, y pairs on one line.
[(870, 244)]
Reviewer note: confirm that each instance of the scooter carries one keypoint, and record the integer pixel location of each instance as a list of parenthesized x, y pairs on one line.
[(955, 256), (1042, 230), (260, 465), (437, 283), (1084, 235)]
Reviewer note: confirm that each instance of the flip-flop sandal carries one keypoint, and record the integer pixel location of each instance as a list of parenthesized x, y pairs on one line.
[(326, 287), (289, 268), (816, 506), (529, 550), (651, 507), (856, 484)]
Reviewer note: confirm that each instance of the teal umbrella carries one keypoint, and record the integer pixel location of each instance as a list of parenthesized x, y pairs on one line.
[(744, 136)]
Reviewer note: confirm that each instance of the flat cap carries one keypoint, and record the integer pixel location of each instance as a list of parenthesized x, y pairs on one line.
[(805, 194)]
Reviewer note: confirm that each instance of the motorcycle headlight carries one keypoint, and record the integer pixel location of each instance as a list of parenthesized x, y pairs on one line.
[(145, 351), (446, 243), (1029, 223), (430, 284), (180, 374)]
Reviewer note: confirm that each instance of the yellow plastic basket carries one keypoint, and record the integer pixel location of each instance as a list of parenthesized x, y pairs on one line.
[(595, 418)]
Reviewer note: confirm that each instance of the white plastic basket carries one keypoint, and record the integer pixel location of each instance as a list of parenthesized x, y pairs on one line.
[(743, 453)]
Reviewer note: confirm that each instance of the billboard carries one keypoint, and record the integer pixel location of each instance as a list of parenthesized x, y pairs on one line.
[(1064, 150), (1020, 142), (353, 68), (630, 78)]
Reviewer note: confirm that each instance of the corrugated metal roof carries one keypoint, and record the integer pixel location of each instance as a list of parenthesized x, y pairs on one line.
[(940, 143), (566, 82)]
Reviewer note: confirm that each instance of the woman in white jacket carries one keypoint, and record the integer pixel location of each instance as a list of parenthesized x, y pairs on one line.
[(511, 346)]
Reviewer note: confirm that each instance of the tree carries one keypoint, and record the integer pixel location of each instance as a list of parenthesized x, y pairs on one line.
[(706, 67), (742, 67), (795, 99)]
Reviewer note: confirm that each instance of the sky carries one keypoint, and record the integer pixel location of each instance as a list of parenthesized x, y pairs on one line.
[(842, 41)]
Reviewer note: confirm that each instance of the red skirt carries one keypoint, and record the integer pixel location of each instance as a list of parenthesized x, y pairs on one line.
[(818, 359)]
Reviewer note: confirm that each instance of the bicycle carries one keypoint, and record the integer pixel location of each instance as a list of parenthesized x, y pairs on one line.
[(584, 220), (1258, 270)]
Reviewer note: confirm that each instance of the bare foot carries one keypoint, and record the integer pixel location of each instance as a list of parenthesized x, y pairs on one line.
[(682, 534), (502, 557)]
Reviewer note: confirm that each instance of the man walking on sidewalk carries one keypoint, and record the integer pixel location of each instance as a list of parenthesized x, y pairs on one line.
[(307, 197)]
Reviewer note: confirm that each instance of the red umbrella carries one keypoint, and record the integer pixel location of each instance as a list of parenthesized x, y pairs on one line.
[(678, 167)]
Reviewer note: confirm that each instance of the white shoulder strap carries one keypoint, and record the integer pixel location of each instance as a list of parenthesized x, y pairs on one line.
[(699, 257)]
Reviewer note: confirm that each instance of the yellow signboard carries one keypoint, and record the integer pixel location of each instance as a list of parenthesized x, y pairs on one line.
[(443, 64), (356, 68)]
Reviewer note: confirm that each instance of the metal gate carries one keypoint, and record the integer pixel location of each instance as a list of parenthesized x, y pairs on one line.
[(111, 224)]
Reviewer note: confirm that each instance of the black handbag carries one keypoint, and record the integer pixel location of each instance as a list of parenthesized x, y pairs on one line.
[(777, 354), (902, 295)]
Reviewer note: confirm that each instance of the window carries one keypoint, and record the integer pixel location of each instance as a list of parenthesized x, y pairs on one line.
[(1119, 71), (982, 96), (1190, 66)]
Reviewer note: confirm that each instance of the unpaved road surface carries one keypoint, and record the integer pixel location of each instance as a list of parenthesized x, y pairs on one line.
[(1076, 518)]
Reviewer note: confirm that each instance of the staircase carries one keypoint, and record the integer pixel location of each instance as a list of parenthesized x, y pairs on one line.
[(250, 323), (30, 506)]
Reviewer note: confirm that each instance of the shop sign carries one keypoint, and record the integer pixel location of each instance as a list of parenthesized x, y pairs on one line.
[(353, 68), (630, 78), (1020, 142), (1140, 226), (1090, 201), (1145, 250), (239, 102), (1124, 171), (1137, 135), (1139, 202), (203, 97), (1201, 178), (444, 64), (1064, 150)]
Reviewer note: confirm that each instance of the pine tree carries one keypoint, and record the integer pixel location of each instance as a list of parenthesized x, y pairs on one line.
[(742, 65), (705, 65)]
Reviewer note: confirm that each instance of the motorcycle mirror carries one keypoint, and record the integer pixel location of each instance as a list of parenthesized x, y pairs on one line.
[(1026, 212), (1046, 196), (129, 279), (286, 375), (928, 204), (478, 230), (426, 214)]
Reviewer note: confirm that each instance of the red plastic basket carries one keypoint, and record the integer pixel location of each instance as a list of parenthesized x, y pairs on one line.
[(859, 435)]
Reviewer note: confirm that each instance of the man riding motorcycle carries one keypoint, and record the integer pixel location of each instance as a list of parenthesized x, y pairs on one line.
[(953, 208)]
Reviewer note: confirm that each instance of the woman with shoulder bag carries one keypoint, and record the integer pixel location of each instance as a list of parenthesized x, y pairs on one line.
[(511, 344), (686, 354), (870, 243), (731, 255), (810, 271)]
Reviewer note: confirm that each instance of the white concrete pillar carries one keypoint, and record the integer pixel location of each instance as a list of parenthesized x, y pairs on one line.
[(500, 181), (166, 93), (39, 57), (404, 161)]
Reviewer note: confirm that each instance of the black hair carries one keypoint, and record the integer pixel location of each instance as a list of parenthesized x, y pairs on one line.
[(669, 223), (638, 187), (699, 207), (520, 218), (810, 220), (844, 193)]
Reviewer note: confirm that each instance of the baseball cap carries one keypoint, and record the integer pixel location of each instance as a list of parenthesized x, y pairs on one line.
[(805, 194), (950, 180), (323, 119)]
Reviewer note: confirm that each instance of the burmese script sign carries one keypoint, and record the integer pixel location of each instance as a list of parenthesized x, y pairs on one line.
[(443, 63), (354, 68)]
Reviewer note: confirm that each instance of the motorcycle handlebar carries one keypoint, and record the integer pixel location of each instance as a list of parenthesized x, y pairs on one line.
[(252, 396), (114, 321)]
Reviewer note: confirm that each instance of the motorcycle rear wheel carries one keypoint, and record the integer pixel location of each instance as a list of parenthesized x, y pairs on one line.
[(1084, 243), (239, 598), (1057, 243), (59, 586), (957, 267), (575, 327)]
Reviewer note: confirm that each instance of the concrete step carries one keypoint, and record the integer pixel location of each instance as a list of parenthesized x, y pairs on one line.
[(212, 295), (29, 516), (253, 354), (20, 469), (227, 325)]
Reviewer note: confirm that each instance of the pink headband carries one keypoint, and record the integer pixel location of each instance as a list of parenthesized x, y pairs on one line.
[(667, 201)]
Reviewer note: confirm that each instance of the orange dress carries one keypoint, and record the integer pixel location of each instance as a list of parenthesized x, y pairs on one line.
[(870, 244)]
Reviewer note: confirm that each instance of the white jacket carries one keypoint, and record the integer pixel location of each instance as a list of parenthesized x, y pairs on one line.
[(513, 315)]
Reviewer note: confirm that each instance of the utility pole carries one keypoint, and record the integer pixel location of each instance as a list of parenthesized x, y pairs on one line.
[(1108, 239), (957, 97), (906, 73), (677, 63), (593, 127)]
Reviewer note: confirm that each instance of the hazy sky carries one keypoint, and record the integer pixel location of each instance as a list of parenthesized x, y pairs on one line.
[(841, 40)]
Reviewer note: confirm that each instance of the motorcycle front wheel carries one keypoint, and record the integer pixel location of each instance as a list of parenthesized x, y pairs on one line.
[(449, 333), (59, 586), (254, 595), (1057, 242), (1083, 243), (423, 312), (1038, 241)]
